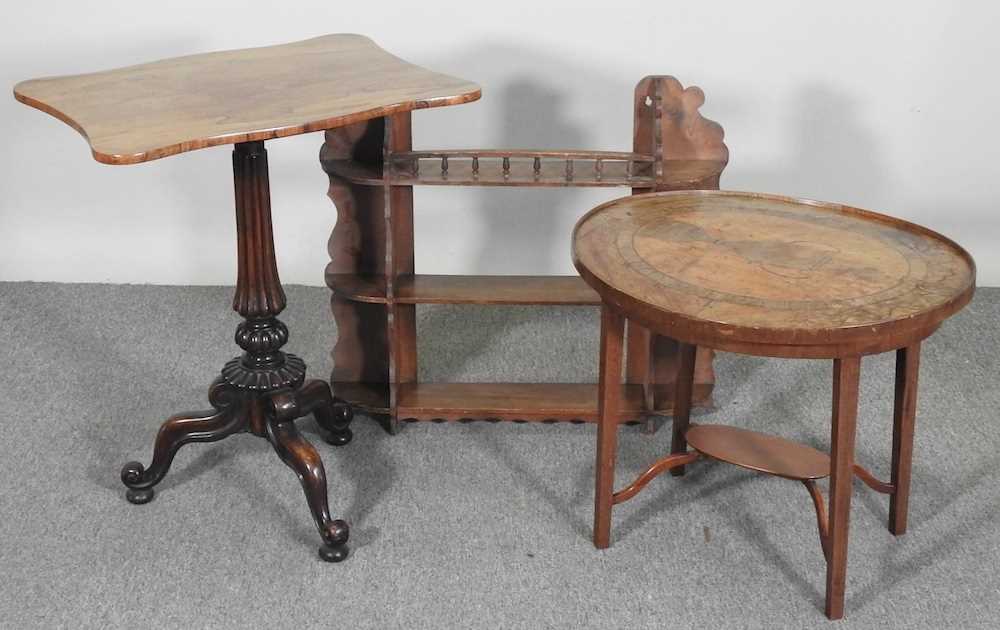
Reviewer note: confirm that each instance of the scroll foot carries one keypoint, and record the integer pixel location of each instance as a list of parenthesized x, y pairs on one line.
[(299, 455), (207, 426)]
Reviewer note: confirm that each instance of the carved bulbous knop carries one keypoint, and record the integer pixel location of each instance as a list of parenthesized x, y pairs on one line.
[(262, 340)]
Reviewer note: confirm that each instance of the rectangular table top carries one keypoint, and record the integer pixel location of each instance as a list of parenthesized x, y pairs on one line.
[(153, 110)]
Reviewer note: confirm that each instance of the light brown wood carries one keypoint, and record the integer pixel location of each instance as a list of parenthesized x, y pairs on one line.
[(157, 109), (775, 276), (609, 389), (669, 125), (670, 462), (846, 375), (822, 520), (757, 451), (872, 481), (771, 275)]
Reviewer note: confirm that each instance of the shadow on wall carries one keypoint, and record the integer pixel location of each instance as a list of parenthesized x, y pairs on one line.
[(833, 155)]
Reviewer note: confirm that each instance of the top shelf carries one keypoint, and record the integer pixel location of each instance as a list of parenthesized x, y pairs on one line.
[(526, 168)]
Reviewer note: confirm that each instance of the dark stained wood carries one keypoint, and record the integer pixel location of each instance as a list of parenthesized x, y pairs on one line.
[(157, 109), (683, 389), (757, 451), (226, 417), (402, 321), (370, 398), (609, 390), (263, 391), (591, 172), (357, 248), (511, 401), (639, 366), (827, 280), (846, 373), (498, 401), (372, 279), (299, 455), (670, 462), (903, 420)]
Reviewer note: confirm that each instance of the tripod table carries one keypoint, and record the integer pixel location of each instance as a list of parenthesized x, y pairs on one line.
[(776, 277), (244, 97)]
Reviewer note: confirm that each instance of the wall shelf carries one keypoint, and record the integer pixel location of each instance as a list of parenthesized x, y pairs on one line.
[(375, 288)]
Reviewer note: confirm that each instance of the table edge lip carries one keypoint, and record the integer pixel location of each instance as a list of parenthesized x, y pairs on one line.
[(709, 332), (311, 126)]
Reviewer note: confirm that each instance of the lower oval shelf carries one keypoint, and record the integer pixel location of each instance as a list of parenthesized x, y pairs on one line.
[(758, 451)]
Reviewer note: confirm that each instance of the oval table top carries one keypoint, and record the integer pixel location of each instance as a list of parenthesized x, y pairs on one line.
[(153, 110), (770, 275)]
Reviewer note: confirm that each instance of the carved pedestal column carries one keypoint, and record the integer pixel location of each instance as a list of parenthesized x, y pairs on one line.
[(263, 391)]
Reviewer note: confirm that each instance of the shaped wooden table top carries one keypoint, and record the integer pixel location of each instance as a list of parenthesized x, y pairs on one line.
[(153, 110), (759, 273)]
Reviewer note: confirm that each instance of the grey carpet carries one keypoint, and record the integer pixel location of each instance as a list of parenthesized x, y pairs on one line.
[(462, 525)]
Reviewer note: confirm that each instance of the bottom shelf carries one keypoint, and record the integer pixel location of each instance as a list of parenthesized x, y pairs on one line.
[(532, 402), (758, 451)]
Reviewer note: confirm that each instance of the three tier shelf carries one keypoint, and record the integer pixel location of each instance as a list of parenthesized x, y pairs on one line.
[(373, 169)]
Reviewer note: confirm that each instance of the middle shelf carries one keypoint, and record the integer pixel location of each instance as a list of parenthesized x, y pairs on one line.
[(461, 289)]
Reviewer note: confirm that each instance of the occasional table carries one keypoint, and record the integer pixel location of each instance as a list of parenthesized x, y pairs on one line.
[(244, 97), (777, 277)]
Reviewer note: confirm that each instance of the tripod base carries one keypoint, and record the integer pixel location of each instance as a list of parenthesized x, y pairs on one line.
[(267, 413)]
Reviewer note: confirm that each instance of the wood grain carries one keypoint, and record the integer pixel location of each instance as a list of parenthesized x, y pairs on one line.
[(357, 248), (534, 402), (757, 451), (750, 272), (609, 390), (846, 376), (667, 124), (153, 110)]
